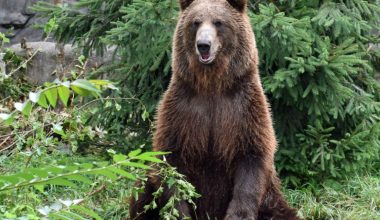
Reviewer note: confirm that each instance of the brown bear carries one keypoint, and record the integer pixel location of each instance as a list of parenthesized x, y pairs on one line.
[(215, 120)]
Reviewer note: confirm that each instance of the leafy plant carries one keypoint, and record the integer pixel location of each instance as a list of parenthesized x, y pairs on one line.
[(70, 176), (50, 95), (129, 167), (65, 175), (176, 183), (64, 209)]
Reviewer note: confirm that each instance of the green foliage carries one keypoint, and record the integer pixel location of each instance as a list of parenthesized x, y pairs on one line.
[(72, 175), (33, 185), (143, 69), (3, 39), (49, 96), (182, 191), (318, 72), (10, 88), (351, 199), (86, 178), (317, 67), (65, 175)]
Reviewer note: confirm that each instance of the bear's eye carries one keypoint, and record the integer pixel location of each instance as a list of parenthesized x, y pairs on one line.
[(217, 23), (196, 24)]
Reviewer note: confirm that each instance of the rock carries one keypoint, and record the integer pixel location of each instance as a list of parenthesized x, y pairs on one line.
[(17, 15), (11, 13), (26, 10), (3, 29), (28, 32), (51, 62), (42, 67)]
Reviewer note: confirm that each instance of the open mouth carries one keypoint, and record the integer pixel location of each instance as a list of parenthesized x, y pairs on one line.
[(206, 58)]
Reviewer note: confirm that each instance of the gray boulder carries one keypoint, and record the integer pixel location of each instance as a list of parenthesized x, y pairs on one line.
[(17, 16), (12, 13), (44, 65), (52, 61)]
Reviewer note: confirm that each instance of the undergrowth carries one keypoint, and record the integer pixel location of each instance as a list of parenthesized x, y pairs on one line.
[(352, 199)]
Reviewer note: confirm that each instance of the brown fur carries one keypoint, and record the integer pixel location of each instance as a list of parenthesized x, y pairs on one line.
[(216, 122)]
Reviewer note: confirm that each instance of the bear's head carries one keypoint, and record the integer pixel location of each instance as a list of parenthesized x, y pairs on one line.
[(213, 37)]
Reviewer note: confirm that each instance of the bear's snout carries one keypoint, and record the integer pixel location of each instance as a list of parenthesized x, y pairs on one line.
[(204, 47), (207, 43)]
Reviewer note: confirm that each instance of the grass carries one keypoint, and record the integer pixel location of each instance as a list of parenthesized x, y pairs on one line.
[(357, 198), (354, 199)]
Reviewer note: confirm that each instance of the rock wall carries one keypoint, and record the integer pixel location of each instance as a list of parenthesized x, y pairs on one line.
[(51, 61), (18, 19)]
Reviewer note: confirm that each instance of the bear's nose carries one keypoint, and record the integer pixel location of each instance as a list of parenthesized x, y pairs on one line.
[(203, 47)]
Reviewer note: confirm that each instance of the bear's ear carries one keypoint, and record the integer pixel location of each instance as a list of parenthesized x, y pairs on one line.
[(185, 3), (240, 5)]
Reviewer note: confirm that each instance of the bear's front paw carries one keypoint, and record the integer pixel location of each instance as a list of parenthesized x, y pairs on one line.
[(238, 211), (239, 216)]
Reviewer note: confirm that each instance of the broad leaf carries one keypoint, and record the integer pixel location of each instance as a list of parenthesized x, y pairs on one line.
[(134, 153), (145, 115), (133, 164), (147, 158), (38, 172), (84, 88), (64, 94), (25, 107), (42, 101), (80, 178), (7, 118), (51, 95), (119, 157), (106, 173), (123, 173)]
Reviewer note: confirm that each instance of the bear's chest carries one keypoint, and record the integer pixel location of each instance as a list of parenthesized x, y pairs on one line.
[(211, 125)]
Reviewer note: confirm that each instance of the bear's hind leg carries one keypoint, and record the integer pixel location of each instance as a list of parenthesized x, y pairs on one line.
[(274, 206)]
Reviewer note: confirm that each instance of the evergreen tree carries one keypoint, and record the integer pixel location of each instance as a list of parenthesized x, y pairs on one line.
[(318, 69), (317, 64)]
